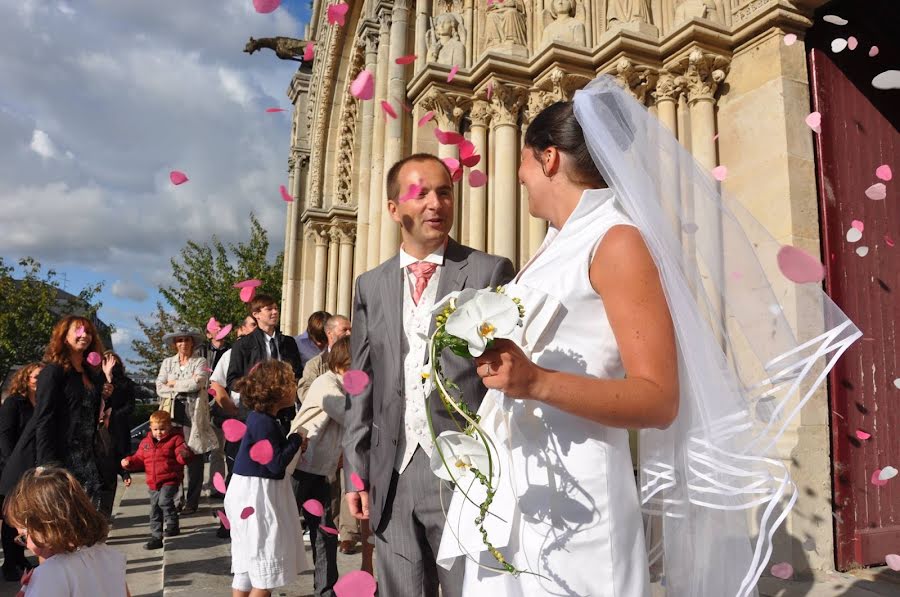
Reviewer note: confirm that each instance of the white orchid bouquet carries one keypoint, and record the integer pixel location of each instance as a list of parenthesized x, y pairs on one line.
[(467, 323)]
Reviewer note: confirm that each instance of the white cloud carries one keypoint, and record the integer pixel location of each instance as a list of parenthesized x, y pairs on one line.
[(65, 9), (125, 289), (121, 338), (42, 145), (235, 87)]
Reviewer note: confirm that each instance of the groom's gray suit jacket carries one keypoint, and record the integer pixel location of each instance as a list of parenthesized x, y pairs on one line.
[(374, 422)]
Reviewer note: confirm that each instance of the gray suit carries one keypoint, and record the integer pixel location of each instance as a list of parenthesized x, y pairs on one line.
[(406, 514)]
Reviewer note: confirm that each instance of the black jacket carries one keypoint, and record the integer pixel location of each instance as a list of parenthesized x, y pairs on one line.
[(15, 412)]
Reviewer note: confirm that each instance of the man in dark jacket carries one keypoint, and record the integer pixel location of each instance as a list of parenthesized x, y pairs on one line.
[(264, 343)]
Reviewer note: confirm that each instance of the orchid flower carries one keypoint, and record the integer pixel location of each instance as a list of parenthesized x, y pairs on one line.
[(481, 318), (462, 453)]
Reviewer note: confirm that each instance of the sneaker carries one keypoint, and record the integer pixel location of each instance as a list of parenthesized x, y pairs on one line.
[(173, 532), (154, 543)]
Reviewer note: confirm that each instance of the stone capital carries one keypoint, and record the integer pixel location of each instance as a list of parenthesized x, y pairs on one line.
[(638, 80), (506, 104), (480, 114), (448, 109), (317, 233), (668, 87), (702, 73), (346, 232)]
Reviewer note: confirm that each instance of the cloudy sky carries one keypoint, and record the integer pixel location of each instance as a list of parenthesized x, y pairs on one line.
[(100, 99)]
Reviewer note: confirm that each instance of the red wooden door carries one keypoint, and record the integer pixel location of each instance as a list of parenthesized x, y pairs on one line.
[(859, 132)]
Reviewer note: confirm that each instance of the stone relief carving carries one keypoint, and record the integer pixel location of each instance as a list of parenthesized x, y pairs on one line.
[(637, 80), (564, 21), (712, 10), (480, 114), (505, 24), (343, 192), (702, 74), (448, 109), (560, 86), (668, 87), (506, 104), (628, 11), (446, 40)]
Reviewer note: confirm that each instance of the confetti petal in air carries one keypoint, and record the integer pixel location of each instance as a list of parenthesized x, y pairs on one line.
[(889, 79), (251, 283), (897, 383), (408, 59), (212, 326), (877, 191), (854, 235), (93, 359), (884, 172), (79, 331), (876, 479), (888, 240), (862, 251), (860, 434), (357, 482), (262, 452), (219, 483), (428, 116), (799, 266), (247, 512), (233, 430), (356, 583), (411, 193), (284, 194), (720, 173), (223, 519), (838, 45), (177, 177), (893, 561), (388, 109), (247, 294), (211, 392), (456, 175), (477, 178), (852, 42), (363, 86), (858, 225), (887, 473), (448, 137), (451, 163), (489, 93), (835, 20), (273, 110), (467, 154), (790, 39), (873, 51), (783, 571), (328, 529), (355, 381), (224, 332), (337, 13), (265, 6), (814, 121), (314, 507), (309, 52), (452, 74)]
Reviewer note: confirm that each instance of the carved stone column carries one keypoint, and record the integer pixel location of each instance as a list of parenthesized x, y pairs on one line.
[(334, 238), (346, 236), (290, 247), (479, 116), (666, 95), (376, 182), (364, 202), (423, 12), (319, 235), (506, 103), (702, 75), (393, 144)]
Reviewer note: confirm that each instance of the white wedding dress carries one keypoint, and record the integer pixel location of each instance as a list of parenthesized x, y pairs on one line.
[(566, 511)]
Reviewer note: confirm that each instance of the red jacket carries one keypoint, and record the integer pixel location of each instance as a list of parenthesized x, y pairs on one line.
[(163, 460)]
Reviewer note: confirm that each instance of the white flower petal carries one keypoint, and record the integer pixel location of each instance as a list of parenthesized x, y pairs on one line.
[(460, 452)]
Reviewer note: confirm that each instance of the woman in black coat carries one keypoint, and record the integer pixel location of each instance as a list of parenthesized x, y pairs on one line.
[(15, 412)]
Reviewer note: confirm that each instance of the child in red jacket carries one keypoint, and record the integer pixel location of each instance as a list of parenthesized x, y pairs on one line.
[(162, 454)]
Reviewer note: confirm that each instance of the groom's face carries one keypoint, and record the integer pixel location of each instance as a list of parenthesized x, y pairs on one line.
[(427, 216)]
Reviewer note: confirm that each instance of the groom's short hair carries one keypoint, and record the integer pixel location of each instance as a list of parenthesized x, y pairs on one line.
[(393, 187)]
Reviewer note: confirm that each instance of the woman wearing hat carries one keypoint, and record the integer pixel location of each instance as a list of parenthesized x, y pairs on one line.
[(181, 381)]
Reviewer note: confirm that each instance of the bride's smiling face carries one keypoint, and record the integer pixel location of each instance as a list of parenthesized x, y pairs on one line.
[(531, 175)]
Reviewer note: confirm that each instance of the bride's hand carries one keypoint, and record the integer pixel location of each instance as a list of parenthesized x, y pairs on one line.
[(506, 368)]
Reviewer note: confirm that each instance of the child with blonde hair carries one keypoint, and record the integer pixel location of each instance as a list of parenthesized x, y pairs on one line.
[(58, 522), (266, 549)]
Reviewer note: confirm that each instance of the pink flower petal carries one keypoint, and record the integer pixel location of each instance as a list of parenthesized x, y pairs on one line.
[(356, 583), (783, 571), (428, 116), (452, 74), (388, 109), (883, 172), (262, 452), (314, 507), (466, 148), (357, 482), (177, 177), (799, 266), (224, 332), (363, 86), (875, 480), (408, 59), (247, 512), (247, 294), (877, 191), (223, 519), (212, 326), (790, 39), (233, 430), (93, 359), (489, 93), (337, 13), (411, 193), (355, 381), (873, 51), (273, 110), (251, 283), (211, 392), (456, 175), (814, 121), (893, 561), (862, 434), (309, 52), (448, 137), (284, 194), (477, 178), (79, 331), (471, 161), (852, 42), (888, 240), (219, 483), (720, 173), (451, 163), (858, 225), (328, 529), (266, 6)]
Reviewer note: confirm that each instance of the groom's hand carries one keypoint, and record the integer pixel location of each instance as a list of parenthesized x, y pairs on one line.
[(358, 502)]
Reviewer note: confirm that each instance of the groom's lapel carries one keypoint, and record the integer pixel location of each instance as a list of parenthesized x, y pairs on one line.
[(454, 275), (392, 302)]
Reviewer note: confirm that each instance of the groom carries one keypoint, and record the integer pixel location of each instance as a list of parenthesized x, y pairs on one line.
[(386, 437)]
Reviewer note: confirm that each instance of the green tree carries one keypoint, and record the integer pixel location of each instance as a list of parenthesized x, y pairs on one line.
[(203, 277), (31, 305)]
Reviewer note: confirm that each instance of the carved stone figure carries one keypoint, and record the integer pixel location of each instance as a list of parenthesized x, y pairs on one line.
[(446, 40), (627, 11), (505, 23), (699, 9), (286, 48), (563, 21)]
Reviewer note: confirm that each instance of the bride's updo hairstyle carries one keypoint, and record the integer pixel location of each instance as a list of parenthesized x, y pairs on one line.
[(557, 127)]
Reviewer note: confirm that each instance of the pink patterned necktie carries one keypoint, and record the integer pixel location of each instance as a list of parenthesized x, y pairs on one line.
[(423, 271)]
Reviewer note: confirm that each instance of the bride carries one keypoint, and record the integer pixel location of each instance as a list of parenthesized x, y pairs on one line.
[(639, 328)]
